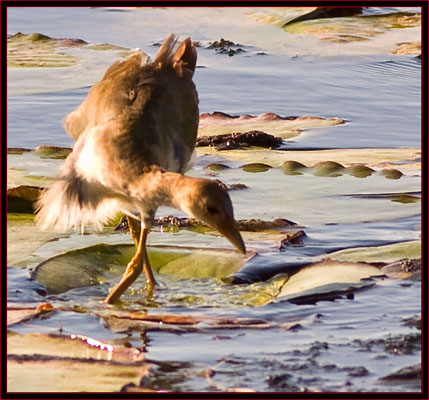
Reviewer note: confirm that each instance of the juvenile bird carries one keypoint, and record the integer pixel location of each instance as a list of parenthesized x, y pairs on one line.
[(135, 133)]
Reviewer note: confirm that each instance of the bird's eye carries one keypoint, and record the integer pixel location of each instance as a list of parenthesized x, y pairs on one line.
[(212, 210), (132, 94)]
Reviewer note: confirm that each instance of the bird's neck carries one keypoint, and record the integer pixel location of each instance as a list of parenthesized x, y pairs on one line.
[(158, 187), (178, 190)]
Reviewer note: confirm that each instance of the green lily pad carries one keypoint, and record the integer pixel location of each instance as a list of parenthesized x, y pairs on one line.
[(408, 48), (219, 123), (215, 167), (255, 167), (17, 150), (37, 50), (336, 28), (405, 160), (360, 171), (386, 254), (391, 173), (405, 198), (328, 168), (95, 264), (17, 313), (20, 177), (70, 364), (24, 238), (22, 199), (291, 167), (106, 46), (328, 277), (54, 152)]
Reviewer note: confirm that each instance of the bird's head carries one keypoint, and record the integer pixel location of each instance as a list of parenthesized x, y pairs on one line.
[(207, 201)]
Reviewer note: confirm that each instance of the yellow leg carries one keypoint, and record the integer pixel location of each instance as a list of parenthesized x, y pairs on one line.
[(134, 268), (135, 230)]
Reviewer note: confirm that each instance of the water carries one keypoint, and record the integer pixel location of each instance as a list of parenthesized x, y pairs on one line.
[(341, 345), (383, 110)]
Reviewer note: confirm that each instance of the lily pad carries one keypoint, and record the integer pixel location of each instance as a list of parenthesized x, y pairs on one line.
[(404, 160), (20, 177), (326, 279), (255, 167), (387, 254), (293, 167), (337, 24), (22, 199), (37, 50), (215, 167), (360, 171), (64, 360), (54, 152), (328, 168), (72, 63), (354, 28), (106, 46), (404, 269), (17, 314), (220, 123), (21, 229), (391, 173), (408, 48), (95, 264)]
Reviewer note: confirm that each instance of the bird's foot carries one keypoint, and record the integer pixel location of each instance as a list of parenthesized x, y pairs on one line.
[(134, 268)]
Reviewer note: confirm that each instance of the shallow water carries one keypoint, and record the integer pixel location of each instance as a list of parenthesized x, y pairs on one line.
[(384, 109), (346, 344)]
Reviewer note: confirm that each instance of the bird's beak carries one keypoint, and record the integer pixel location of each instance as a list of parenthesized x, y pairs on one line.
[(231, 232)]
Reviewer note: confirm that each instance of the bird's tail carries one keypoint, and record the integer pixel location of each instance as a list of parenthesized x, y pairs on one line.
[(72, 202), (165, 53), (183, 60)]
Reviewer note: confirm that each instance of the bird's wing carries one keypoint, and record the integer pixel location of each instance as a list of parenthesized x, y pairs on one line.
[(77, 121)]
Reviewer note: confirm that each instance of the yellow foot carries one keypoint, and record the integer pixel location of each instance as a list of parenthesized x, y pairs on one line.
[(134, 268)]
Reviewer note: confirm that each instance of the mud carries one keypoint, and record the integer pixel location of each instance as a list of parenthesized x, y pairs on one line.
[(240, 140), (226, 47), (248, 225)]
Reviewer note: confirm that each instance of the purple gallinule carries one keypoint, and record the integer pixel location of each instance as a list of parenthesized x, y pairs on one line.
[(135, 133)]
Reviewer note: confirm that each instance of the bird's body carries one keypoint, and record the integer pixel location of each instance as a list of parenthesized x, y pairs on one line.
[(135, 134)]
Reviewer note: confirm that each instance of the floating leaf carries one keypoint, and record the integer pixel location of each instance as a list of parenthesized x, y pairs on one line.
[(70, 364), (24, 237), (407, 160), (54, 152), (17, 314), (325, 280), (328, 168), (255, 167), (37, 50), (391, 173), (92, 265), (360, 171), (386, 254), (408, 48), (293, 167), (22, 199), (404, 269), (338, 24), (219, 123)]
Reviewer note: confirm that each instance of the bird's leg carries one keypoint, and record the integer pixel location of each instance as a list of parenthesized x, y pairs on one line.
[(134, 268), (135, 230)]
